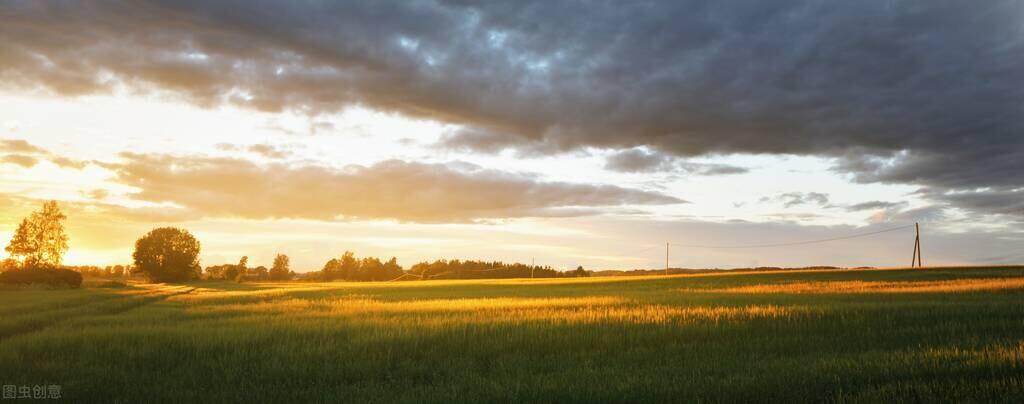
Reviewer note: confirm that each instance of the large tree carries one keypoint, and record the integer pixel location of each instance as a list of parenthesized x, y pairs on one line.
[(168, 254), (40, 240)]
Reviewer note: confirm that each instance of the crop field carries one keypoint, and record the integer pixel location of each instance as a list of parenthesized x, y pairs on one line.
[(950, 334)]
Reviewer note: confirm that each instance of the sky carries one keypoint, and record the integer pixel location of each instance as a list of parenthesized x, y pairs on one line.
[(563, 133)]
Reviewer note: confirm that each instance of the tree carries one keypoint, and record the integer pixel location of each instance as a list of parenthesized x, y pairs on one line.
[(280, 271), (580, 272), (371, 269), (40, 240), (230, 272), (349, 267), (331, 270), (261, 273), (392, 270), (168, 254), (242, 269)]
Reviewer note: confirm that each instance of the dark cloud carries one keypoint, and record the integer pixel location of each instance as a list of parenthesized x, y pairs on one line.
[(874, 205), (416, 192), (897, 91), (641, 161), (998, 202), (473, 139), (791, 199), (635, 160), (897, 215), (786, 216)]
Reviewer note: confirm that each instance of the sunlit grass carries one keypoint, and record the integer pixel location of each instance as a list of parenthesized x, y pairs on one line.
[(948, 286), (890, 336), (595, 309)]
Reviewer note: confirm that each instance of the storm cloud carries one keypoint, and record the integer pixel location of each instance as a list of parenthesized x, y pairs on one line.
[(912, 92), (641, 161)]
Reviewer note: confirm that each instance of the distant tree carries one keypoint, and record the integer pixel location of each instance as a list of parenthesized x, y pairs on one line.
[(40, 240), (230, 272), (580, 272), (280, 270), (371, 269), (331, 270), (481, 270), (349, 266), (242, 269), (392, 270), (168, 254), (261, 272)]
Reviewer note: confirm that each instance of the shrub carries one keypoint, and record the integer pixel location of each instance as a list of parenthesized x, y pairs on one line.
[(52, 277)]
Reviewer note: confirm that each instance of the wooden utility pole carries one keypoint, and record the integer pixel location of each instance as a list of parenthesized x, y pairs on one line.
[(917, 230), (666, 258), (916, 257)]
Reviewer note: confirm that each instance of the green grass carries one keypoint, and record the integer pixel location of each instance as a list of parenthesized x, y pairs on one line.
[(851, 336)]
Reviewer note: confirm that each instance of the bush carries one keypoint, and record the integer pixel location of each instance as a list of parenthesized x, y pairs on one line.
[(52, 277)]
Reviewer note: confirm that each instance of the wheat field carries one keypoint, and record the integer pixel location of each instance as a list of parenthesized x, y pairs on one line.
[(838, 336)]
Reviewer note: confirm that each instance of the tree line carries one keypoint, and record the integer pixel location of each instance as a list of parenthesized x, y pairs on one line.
[(469, 269), (279, 271), (170, 254), (348, 267)]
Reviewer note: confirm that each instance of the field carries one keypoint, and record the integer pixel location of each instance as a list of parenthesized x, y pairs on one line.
[(952, 334)]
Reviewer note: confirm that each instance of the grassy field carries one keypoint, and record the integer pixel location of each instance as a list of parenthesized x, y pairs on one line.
[(842, 336)]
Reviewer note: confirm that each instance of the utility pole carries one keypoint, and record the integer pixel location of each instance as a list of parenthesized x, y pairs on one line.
[(666, 258), (916, 257), (917, 230)]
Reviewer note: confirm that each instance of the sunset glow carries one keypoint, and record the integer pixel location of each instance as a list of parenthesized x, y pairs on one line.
[(473, 142)]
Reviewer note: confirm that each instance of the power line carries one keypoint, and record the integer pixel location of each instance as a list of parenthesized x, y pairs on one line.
[(825, 240)]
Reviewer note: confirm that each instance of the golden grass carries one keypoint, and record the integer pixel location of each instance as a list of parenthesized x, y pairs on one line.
[(566, 340), (1011, 355), (833, 287), (502, 310)]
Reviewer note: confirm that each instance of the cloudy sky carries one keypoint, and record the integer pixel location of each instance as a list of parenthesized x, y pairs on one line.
[(572, 133)]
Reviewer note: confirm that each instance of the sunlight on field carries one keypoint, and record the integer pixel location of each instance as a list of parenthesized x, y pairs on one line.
[(1005, 355), (954, 286), (593, 309), (832, 336)]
